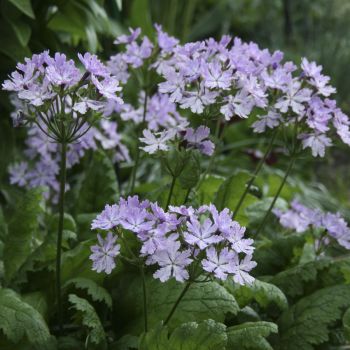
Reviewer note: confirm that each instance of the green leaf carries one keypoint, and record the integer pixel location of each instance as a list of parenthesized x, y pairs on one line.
[(38, 301), (68, 223), (22, 31), (276, 254), (207, 335), (293, 281), (257, 210), (202, 301), (250, 335), (20, 320), (191, 172), (346, 324), (230, 193), (12, 48), (208, 189), (307, 322), (126, 342), (262, 292), (69, 228), (76, 262), (99, 185), (96, 292), (69, 343), (24, 6), (141, 17), (91, 38), (22, 231), (87, 316)]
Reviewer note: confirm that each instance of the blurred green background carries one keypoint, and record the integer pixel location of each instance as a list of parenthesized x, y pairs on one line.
[(317, 29)]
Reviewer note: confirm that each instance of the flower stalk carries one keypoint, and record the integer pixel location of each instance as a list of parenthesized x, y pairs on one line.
[(177, 302), (60, 232), (137, 158), (255, 174), (263, 223)]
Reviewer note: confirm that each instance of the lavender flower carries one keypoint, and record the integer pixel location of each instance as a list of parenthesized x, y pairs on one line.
[(108, 219), (201, 235), (294, 98), (197, 139), (219, 263), (108, 87), (157, 141), (103, 255), (172, 262), (302, 218), (93, 65), (170, 240), (241, 269)]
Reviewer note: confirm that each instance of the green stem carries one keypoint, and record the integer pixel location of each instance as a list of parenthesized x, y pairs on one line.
[(137, 159), (187, 195), (177, 302), (145, 312), (60, 231), (172, 186), (256, 172), (218, 136), (290, 166)]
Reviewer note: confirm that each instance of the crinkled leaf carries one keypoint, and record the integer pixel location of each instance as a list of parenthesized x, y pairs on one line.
[(87, 316), (38, 301), (22, 230), (276, 254), (293, 281), (250, 335), (202, 301), (307, 322), (20, 320), (96, 292), (207, 335), (262, 292)]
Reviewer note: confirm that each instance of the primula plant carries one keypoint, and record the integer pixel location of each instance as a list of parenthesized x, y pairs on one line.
[(140, 226)]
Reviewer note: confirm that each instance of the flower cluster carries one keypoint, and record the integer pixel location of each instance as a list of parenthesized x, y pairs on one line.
[(301, 218), (57, 81), (51, 93), (188, 137), (226, 78), (183, 242), (232, 78)]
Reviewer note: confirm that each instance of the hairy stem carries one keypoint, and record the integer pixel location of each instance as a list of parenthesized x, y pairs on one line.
[(137, 159), (177, 302), (172, 186), (290, 166), (255, 174), (60, 231)]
